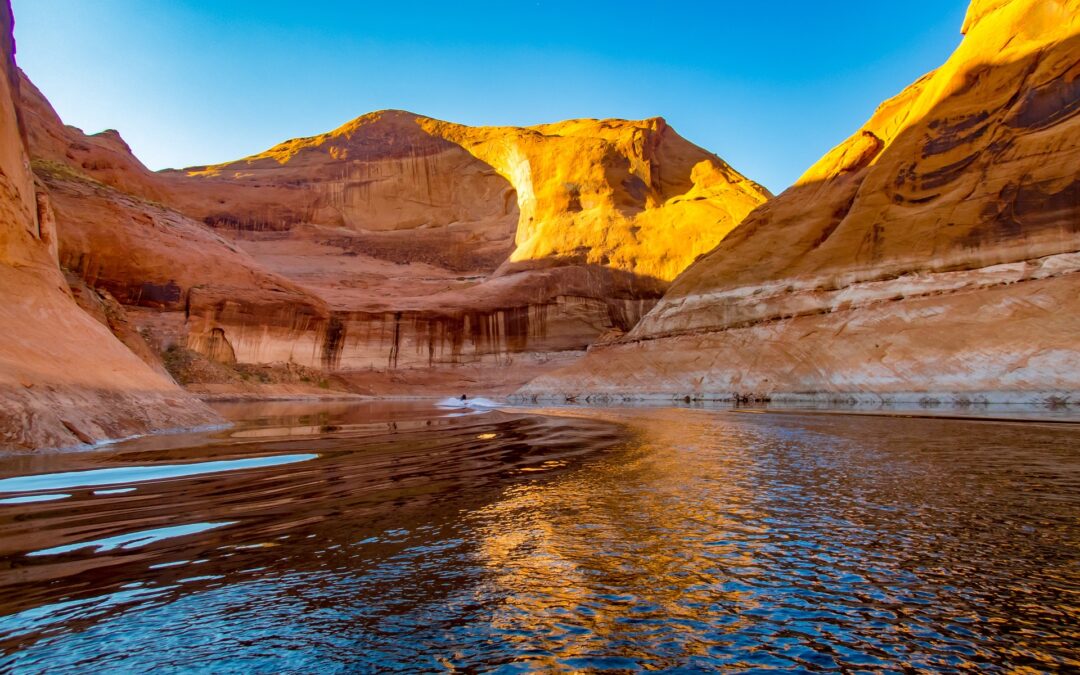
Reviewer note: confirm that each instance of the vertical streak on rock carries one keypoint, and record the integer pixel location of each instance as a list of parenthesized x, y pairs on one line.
[(333, 343), (393, 360)]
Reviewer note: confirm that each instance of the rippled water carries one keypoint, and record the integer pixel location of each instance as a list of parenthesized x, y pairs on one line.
[(361, 538)]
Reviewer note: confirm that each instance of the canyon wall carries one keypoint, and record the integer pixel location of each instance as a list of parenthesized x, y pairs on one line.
[(931, 256), (440, 245), (64, 378), (395, 245)]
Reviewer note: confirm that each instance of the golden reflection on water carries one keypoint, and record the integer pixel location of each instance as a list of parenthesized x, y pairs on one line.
[(704, 537), (550, 561)]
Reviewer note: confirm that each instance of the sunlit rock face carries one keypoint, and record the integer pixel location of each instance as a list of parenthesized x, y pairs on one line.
[(932, 252), (631, 196), (395, 242), (64, 378)]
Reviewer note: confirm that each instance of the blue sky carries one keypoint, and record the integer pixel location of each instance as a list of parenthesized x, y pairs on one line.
[(769, 86)]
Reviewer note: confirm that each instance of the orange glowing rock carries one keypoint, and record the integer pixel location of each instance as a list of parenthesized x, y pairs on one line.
[(632, 196), (530, 241), (396, 249), (932, 252)]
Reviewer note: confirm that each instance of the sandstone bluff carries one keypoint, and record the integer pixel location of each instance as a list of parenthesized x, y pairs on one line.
[(64, 377), (932, 256)]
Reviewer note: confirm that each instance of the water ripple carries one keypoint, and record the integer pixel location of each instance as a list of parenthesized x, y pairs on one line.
[(678, 540)]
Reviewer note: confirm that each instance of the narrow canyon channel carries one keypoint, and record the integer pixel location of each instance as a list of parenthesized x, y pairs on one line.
[(344, 537)]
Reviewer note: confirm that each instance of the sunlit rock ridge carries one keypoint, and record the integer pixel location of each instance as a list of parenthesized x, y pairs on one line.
[(931, 256), (628, 195)]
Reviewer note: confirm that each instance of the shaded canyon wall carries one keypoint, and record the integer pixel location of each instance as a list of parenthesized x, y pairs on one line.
[(64, 378)]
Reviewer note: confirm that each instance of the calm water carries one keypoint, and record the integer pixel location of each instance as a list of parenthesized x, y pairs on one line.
[(359, 538)]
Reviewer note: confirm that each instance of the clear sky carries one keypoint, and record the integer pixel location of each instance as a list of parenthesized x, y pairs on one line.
[(770, 85)]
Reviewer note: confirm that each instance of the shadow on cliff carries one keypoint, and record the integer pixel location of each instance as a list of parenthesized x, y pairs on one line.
[(553, 309)]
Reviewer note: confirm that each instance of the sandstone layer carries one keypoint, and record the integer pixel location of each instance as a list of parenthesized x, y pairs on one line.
[(933, 255), (398, 251), (64, 378)]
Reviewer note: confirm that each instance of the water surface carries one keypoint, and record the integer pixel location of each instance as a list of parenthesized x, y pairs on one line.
[(346, 538)]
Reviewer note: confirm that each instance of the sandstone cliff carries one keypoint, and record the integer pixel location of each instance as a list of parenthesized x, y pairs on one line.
[(932, 255), (399, 251), (629, 196), (64, 378)]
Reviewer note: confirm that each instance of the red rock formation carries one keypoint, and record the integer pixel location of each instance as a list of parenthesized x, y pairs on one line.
[(105, 157), (64, 378), (396, 242), (603, 213), (117, 237), (933, 254)]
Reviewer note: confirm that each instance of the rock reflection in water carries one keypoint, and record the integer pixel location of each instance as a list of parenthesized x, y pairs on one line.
[(638, 539)]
